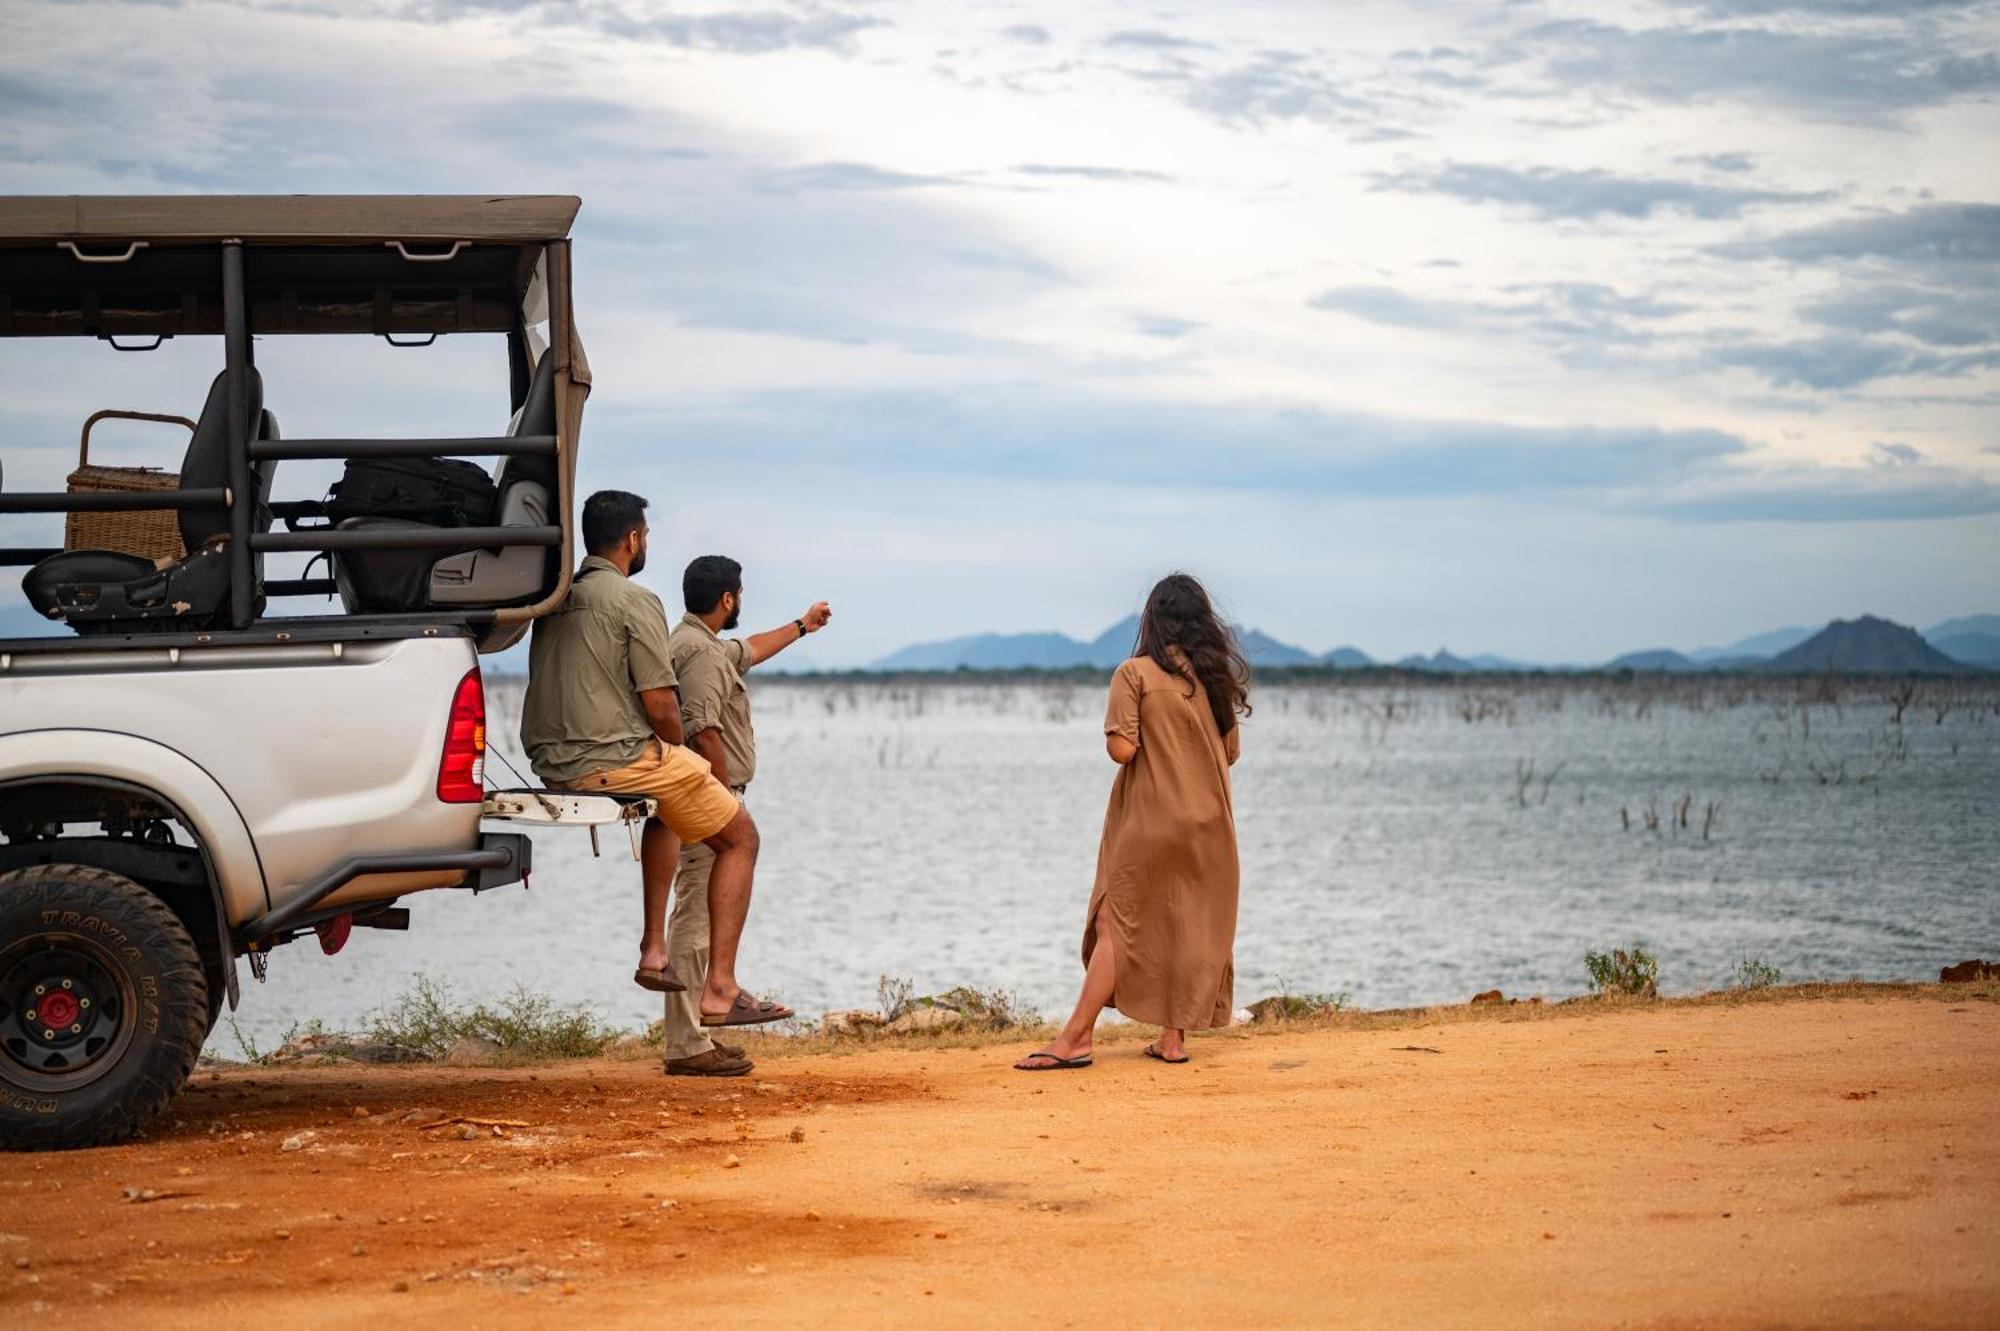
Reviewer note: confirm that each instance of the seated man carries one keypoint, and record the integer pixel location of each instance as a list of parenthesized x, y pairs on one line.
[(603, 716)]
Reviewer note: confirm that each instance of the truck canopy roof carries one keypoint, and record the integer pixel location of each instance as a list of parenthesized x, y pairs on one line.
[(130, 266), (285, 219)]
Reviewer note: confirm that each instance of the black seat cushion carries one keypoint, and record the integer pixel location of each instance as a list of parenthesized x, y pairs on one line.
[(73, 568)]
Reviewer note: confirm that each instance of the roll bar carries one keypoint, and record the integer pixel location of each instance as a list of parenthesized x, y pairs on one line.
[(239, 498)]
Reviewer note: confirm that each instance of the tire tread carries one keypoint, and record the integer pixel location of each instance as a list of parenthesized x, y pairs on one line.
[(165, 1066)]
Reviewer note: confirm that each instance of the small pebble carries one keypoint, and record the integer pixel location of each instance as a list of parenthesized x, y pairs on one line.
[(400, 1287), (731, 1162)]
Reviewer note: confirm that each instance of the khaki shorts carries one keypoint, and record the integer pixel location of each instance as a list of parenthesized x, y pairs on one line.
[(692, 802)]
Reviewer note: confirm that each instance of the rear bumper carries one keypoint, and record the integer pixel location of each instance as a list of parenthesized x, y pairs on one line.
[(502, 858)]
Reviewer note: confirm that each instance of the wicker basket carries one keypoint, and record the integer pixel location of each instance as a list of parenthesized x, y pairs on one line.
[(150, 534)]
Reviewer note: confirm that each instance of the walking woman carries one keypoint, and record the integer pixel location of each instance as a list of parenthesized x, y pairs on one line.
[(1162, 919)]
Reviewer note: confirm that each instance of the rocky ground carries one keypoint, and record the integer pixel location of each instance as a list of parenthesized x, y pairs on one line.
[(1829, 1158)]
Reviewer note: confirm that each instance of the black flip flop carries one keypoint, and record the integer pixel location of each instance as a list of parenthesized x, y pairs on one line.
[(1056, 1063), (1153, 1051)]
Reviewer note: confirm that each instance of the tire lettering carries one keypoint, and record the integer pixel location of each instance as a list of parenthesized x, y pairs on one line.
[(26, 1105)]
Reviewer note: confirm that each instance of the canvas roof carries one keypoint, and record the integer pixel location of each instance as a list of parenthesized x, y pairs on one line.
[(291, 219)]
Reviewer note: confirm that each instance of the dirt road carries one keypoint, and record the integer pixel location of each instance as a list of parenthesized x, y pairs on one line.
[(1822, 1163)]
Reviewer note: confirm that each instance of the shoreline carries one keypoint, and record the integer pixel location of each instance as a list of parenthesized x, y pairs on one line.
[(322, 1048)]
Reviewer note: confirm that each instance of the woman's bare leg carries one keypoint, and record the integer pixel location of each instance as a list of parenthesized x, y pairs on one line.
[(1100, 980)]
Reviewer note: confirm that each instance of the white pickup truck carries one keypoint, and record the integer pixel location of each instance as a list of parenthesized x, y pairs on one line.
[(187, 778)]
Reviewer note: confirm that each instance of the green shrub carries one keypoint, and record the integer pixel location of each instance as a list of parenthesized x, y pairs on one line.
[(427, 1021), (985, 1009), (1288, 1006), (1756, 973), (1624, 971)]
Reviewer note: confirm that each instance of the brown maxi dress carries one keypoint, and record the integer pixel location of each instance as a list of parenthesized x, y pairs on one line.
[(1166, 869)]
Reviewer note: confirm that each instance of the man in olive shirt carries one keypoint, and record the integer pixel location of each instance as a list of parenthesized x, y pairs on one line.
[(715, 717), (602, 716)]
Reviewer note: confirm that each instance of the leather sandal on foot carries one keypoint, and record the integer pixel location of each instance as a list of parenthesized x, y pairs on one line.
[(1054, 1062), (1153, 1051), (747, 1010), (714, 1063), (661, 981)]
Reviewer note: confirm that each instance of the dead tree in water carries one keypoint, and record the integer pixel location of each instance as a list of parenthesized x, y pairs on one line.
[(1550, 779)]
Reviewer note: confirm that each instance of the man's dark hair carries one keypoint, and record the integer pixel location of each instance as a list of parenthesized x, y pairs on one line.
[(608, 516), (707, 580)]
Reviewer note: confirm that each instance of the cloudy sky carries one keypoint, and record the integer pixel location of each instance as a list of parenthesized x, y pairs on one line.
[(1550, 329)]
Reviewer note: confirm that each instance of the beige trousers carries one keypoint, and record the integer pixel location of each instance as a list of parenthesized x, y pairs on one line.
[(687, 947)]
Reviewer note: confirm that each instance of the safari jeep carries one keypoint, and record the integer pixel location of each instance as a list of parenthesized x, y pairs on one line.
[(186, 776)]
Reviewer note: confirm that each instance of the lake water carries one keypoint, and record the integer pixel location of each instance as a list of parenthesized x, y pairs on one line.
[(1401, 844)]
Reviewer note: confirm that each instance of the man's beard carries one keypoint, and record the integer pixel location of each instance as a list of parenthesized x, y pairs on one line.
[(734, 615), (638, 562)]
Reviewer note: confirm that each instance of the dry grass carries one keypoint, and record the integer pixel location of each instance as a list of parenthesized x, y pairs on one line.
[(775, 1046)]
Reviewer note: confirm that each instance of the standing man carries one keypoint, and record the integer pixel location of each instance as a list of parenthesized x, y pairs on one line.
[(715, 717), (603, 716)]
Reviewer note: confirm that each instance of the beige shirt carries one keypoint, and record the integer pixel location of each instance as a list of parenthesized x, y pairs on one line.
[(587, 663), (713, 695)]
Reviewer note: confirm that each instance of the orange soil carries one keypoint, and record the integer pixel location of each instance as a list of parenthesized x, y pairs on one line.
[(1824, 1163)]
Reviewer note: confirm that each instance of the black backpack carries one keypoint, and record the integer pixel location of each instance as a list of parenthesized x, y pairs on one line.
[(444, 492)]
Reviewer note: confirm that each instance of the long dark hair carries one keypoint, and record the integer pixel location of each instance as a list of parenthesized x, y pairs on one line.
[(1179, 614)]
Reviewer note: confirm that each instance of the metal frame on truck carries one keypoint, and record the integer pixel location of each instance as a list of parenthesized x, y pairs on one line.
[(412, 267)]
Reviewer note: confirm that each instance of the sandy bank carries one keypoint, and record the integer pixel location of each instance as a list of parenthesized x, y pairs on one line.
[(1826, 1163)]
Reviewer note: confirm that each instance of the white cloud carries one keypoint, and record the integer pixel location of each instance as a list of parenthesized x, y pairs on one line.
[(1599, 233)]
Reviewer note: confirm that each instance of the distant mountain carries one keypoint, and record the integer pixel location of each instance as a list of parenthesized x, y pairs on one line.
[(1440, 660), (1264, 650), (1488, 661), (1115, 644), (1865, 646), (1059, 651), (1989, 625), (1658, 658), (991, 651), (1763, 644), (1978, 649), (1347, 658)]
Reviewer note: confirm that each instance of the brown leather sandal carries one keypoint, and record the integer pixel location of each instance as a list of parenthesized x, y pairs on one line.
[(748, 1010), (661, 981)]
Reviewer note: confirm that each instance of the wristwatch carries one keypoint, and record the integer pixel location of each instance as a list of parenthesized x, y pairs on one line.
[(801, 627)]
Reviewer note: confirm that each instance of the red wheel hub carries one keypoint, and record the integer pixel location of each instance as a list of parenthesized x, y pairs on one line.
[(57, 1009)]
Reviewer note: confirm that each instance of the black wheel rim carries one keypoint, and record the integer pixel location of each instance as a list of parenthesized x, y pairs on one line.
[(67, 1012)]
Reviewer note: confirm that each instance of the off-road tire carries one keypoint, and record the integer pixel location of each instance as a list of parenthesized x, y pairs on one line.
[(69, 918)]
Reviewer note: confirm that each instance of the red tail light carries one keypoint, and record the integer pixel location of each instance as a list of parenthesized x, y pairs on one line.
[(462, 769)]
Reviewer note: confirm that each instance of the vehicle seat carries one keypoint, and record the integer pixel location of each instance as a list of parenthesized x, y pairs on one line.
[(385, 580), (104, 591)]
